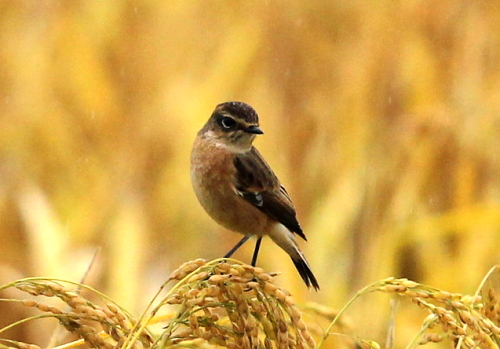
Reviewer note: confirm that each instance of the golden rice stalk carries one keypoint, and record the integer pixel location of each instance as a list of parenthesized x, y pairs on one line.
[(223, 303), (469, 321), (99, 326), (233, 305)]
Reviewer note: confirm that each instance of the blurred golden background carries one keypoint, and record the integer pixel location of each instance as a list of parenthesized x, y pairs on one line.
[(380, 118)]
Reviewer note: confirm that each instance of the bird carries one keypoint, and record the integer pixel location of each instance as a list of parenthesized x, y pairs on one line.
[(239, 190)]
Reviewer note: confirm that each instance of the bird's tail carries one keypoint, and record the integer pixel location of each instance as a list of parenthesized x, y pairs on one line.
[(305, 271), (285, 239)]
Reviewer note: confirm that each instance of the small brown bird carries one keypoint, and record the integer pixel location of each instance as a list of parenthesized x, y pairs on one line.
[(238, 189)]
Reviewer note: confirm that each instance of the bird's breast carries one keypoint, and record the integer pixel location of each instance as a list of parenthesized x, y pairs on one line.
[(213, 176)]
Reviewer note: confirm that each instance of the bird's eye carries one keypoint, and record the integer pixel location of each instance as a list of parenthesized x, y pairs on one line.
[(227, 122)]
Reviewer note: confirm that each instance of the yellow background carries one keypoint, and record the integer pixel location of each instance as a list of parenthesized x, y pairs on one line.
[(381, 118)]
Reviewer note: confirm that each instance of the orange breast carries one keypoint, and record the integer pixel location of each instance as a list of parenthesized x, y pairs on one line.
[(213, 177)]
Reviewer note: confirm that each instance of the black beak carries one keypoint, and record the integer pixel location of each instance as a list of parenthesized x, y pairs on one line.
[(254, 129)]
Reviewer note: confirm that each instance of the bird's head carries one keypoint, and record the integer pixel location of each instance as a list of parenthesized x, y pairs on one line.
[(233, 125)]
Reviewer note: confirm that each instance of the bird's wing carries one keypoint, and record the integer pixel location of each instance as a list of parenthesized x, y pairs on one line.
[(256, 183)]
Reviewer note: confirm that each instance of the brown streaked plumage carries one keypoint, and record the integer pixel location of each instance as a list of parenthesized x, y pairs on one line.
[(238, 189)]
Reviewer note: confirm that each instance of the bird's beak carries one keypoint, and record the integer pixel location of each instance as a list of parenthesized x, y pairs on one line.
[(254, 129)]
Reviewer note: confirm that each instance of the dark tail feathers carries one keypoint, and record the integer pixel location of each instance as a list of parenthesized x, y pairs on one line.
[(306, 273)]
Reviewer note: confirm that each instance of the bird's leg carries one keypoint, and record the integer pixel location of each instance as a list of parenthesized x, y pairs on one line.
[(238, 245), (256, 251)]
